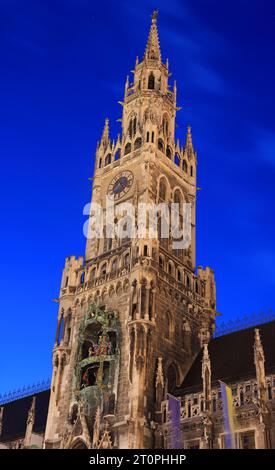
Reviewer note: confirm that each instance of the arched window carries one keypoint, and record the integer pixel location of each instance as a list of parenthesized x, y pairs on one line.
[(60, 329), (138, 143), (127, 149), (153, 137), (117, 154), (93, 274), (151, 81), (170, 269), (108, 159), (184, 166), (177, 197), (165, 126), (162, 189), (132, 129), (191, 170), (179, 277), (100, 163), (188, 282), (67, 335), (82, 278), (148, 136), (114, 265), (104, 269), (161, 262), (161, 145), (127, 260), (168, 152), (177, 159)]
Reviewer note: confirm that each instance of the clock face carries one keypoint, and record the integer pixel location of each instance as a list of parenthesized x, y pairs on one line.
[(120, 184)]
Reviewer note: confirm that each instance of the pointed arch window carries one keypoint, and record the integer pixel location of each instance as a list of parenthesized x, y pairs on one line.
[(177, 159), (165, 126), (151, 81), (108, 159), (114, 265), (127, 260), (104, 269), (117, 154), (93, 274), (184, 166), (60, 329), (168, 153), (161, 262), (127, 149), (161, 145), (132, 129), (162, 190), (138, 143)]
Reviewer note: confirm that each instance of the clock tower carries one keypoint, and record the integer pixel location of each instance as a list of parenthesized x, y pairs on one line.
[(135, 310)]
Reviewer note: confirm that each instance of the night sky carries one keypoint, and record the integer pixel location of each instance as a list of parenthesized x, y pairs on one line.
[(63, 69)]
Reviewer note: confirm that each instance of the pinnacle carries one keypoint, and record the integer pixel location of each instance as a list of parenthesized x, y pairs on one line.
[(152, 50)]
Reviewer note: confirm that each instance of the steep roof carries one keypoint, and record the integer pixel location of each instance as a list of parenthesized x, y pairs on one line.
[(16, 412), (232, 358)]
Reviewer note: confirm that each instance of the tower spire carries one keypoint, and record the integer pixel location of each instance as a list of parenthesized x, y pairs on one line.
[(104, 141), (105, 134), (152, 50), (189, 149)]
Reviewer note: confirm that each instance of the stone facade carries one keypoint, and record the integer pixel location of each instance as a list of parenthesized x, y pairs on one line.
[(165, 309), (253, 390)]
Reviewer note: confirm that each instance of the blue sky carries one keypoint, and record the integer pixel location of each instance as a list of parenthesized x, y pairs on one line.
[(63, 69)]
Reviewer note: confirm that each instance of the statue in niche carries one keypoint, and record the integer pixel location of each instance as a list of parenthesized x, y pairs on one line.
[(102, 348)]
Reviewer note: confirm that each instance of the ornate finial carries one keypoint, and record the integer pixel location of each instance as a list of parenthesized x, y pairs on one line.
[(159, 375), (152, 51), (155, 15), (105, 134), (205, 352), (96, 428), (189, 144)]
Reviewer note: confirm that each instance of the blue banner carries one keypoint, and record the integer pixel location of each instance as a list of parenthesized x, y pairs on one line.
[(174, 409)]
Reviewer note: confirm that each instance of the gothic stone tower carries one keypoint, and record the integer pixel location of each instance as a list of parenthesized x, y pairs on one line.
[(134, 312)]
